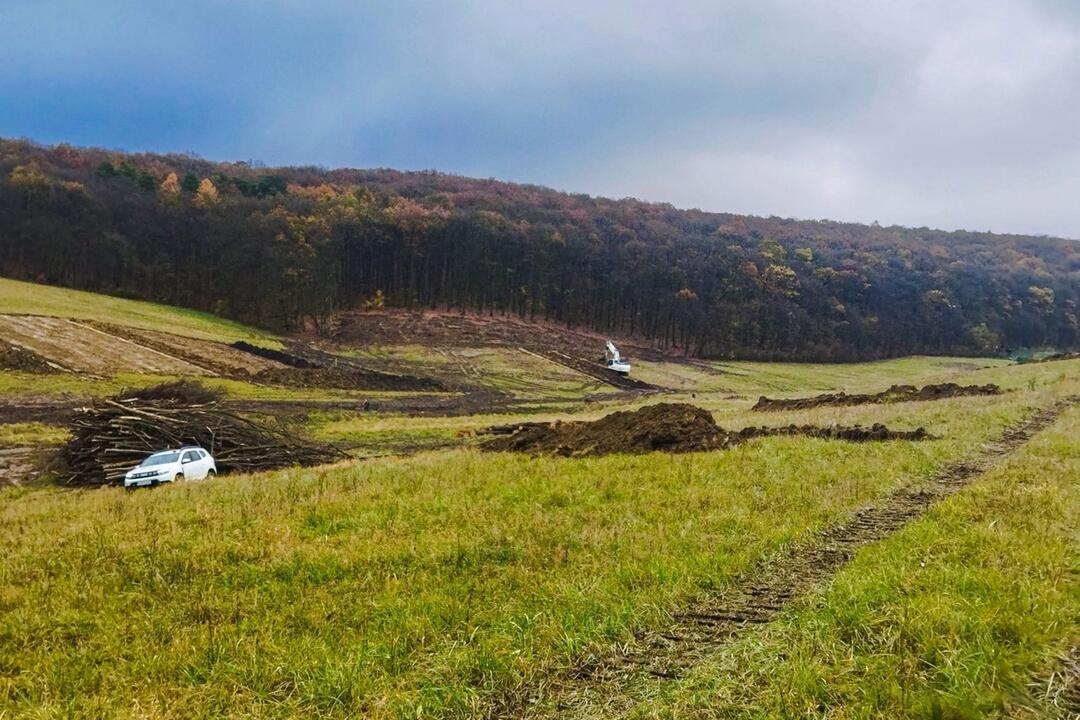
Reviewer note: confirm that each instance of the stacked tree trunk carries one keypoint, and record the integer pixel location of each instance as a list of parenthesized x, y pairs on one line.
[(113, 436)]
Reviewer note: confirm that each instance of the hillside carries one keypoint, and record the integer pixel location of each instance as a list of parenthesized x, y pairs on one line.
[(21, 298), (283, 248)]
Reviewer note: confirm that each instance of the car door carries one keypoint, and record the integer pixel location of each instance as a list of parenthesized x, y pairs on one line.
[(204, 463), (190, 463)]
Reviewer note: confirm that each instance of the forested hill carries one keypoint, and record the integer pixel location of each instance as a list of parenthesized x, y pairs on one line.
[(283, 246)]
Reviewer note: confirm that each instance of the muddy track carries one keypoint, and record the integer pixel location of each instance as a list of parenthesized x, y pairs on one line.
[(19, 464), (600, 686)]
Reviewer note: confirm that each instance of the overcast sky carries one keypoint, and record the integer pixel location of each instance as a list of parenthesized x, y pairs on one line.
[(952, 114)]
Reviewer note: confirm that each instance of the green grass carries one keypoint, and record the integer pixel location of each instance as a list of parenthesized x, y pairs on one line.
[(429, 585), (18, 297), (402, 587), (953, 617), (32, 433), (756, 378)]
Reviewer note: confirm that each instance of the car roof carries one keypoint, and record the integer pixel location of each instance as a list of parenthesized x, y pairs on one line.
[(176, 450)]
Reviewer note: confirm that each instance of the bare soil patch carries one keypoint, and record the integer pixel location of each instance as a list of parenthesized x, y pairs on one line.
[(580, 350), (37, 410), (278, 357), (309, 367), (599, 684), (19, 465), (450, 405), (593, 369), (24, 360), (444, 329), (895, 394), (669, 427), (79, 347), (215, 357)]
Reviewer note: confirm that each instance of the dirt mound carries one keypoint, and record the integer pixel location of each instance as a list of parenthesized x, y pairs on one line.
[(112, 436), (17, 358), (670, 427), (895, 394), (276, 355), (181, 392), (673, 427), (852, 433), (1050, 358)]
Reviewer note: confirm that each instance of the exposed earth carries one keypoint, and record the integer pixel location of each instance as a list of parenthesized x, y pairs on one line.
[(668, 427), (895, 394)]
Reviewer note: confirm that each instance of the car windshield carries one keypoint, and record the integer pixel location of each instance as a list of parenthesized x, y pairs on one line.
[(161, 459)]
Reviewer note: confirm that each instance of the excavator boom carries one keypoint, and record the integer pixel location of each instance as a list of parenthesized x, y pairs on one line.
[(614, 360)]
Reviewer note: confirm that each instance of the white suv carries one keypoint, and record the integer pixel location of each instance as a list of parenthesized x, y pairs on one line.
[(187, 463)]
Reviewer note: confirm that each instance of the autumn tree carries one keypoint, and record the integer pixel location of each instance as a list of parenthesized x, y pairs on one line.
[(170, 187), (207, 194)]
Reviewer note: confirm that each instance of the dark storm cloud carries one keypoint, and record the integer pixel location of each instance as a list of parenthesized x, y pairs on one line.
[(953, 114)]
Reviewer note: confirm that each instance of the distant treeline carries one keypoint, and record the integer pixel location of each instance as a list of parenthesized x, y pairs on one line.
[(284, 246)]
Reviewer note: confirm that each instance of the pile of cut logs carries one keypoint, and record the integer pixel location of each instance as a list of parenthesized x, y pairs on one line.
[(113, 436)]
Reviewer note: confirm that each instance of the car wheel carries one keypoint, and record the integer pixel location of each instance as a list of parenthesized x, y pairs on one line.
[(210, 474), (178, 478)]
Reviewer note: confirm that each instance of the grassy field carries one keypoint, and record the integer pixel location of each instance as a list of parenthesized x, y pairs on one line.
[(434, 584), (25, 298), (779, 379), (959, 615), (429, 586)]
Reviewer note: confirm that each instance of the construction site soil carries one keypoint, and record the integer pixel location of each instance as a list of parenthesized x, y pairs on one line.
[(895, 394), (578, 350), (43, 410), (23, 360), (435, 329), (667, 427), (80, 347), (214, 358), (309, 367)]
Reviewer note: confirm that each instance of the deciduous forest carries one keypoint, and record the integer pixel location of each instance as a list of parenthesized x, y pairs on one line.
[(285, 247)]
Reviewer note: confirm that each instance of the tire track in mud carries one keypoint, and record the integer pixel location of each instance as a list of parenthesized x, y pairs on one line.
[(599, 686)]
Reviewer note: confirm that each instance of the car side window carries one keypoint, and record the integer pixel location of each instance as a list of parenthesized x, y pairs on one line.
[(190, 455)]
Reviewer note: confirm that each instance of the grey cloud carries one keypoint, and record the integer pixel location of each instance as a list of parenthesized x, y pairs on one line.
[(953, 114)]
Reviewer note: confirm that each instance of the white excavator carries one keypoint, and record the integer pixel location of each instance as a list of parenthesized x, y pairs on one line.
[(614, 361)]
